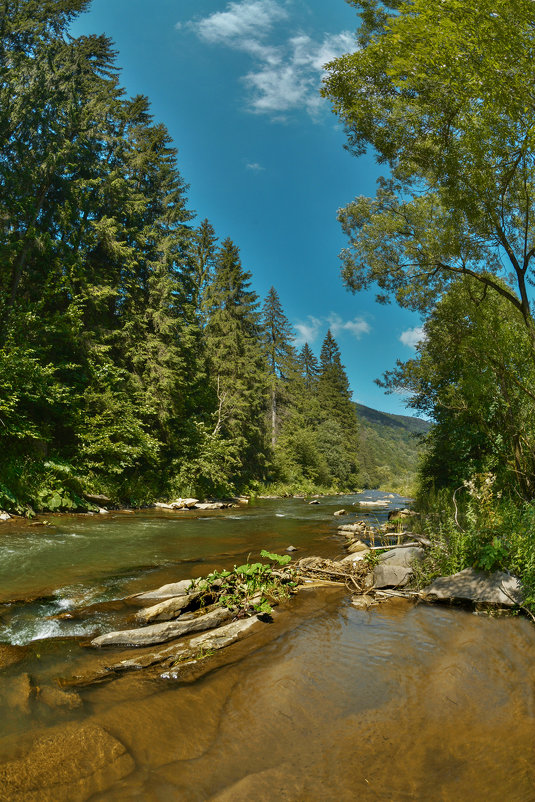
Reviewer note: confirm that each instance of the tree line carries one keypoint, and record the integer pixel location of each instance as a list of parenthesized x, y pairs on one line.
[(135, 359)]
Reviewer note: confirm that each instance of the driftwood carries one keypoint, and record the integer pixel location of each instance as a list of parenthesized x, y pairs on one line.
[(400, 546)]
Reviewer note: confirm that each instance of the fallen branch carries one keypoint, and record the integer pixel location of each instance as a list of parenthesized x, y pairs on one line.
[(389, 548)]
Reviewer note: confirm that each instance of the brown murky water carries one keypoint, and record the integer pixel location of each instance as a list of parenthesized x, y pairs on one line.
[(328, 702)]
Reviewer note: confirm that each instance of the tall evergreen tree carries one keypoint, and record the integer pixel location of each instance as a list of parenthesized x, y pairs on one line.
[(202, 259), (233, 339), (309, 366), (281, 357), (339, 429)]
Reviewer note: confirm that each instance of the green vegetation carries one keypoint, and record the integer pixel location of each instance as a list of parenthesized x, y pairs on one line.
[(450, 234), (135, 360), (250, 588)]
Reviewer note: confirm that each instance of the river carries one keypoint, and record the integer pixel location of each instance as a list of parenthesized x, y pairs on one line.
[(329, 702)]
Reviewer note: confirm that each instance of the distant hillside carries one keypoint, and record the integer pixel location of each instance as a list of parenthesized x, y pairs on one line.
[(389, 448)]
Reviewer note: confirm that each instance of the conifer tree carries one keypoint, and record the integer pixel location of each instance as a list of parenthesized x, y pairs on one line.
[(238, 370), (281, 357), (339, 429), (309, 366), (202, 259)]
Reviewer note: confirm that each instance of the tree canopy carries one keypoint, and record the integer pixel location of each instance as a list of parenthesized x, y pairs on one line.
[(443, 95)]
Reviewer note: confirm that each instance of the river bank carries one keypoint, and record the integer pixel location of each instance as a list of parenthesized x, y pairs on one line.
[(324, 685)]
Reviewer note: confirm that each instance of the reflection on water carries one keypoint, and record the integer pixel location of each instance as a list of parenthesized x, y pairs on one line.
[(328, 702)]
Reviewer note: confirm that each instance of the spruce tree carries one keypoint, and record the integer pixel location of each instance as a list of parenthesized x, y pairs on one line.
[(309, 366), (281, 357), (339, 429), (238, 369)]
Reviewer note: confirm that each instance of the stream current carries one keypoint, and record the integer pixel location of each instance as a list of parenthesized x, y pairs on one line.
[(329, 702)]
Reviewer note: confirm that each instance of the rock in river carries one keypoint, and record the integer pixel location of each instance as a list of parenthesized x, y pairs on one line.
[(395, 567), (168, 630), (476, 586)]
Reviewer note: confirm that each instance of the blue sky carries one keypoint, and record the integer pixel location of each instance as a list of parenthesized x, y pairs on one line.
[(237, 85)]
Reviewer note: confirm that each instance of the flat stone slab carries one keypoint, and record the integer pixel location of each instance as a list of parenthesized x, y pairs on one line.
[(476, 586), (181, 588), (166, 631), (403, 556), (166, 610)]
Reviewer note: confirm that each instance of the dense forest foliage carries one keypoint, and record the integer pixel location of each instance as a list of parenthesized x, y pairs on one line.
[(391, 449), (135, 359), (442, 94)]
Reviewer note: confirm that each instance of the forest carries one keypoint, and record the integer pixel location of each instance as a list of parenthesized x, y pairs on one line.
[(137, 362), (135, 359), (442, 94)]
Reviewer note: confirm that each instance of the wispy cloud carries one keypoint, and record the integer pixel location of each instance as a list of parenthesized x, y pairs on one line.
[(309, 330), (357, 327), (411, 337), (254, 167), (286, 70), (241, 23)]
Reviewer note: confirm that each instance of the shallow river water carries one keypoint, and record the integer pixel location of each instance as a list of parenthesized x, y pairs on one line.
[(328, 702)]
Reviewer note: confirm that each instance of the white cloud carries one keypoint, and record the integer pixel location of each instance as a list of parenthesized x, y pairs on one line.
[(309, 330), (255, 167), (246, 20), (411, 337), (357, 327), (286, 71)]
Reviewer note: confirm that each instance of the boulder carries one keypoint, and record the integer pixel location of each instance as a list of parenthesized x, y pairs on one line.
[(165, 631), (391, 576), (291, 548), (339, 512), (476, 586), (213, 505), (356, 546), (404, 556), (371, 503), (4, 516), (314, 501), (161, 506)]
